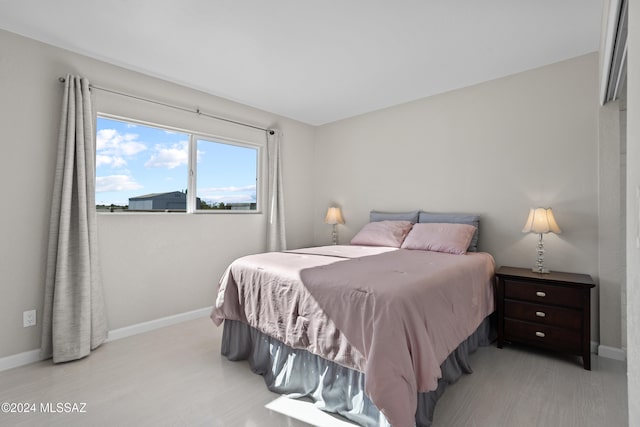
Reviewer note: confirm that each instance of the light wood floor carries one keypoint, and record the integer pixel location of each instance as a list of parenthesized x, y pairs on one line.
[(175, 376)]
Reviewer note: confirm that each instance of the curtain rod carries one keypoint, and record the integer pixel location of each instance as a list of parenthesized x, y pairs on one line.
[(177, 107)]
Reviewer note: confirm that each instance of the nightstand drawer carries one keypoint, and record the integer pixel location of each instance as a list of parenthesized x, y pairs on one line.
[(543, 294), (542, 335), (545, 314)]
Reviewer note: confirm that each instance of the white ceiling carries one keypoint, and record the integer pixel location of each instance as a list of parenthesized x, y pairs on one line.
[(316, 61)]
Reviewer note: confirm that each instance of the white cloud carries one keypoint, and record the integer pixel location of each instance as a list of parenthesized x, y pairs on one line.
[(113, 161), (116, 183), (169, 157), (112, 147), (230, 198), (231, 189), (229, 194)]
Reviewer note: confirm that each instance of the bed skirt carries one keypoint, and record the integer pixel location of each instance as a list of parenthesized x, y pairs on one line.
[(335, 388)]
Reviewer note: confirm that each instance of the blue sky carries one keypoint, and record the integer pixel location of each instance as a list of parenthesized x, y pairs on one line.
[(133, 160)]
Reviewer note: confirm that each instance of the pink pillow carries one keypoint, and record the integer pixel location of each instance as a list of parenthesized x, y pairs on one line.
[(440, 237), (382, 233)]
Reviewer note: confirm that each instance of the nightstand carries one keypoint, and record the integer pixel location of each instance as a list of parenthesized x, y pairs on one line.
[(550, 311)]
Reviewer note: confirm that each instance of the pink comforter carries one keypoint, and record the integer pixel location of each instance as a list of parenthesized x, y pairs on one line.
[(402, 312)]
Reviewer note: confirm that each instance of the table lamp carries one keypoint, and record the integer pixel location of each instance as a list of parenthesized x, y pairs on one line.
[(541, 221), (334, 217)]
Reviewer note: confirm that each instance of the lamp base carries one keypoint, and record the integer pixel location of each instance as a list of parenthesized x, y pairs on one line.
[(539, 268)]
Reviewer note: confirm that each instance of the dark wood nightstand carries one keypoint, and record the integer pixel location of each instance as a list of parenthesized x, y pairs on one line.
[(550, 311)]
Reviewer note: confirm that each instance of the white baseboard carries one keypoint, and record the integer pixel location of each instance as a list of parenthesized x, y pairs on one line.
[(140, 328), (33, 356), (20, 359), (612, 352)]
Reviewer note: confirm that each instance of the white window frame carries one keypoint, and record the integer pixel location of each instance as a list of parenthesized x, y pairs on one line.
[(192, 185), (193, 165)]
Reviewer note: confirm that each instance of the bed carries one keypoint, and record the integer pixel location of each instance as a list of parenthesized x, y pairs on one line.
[(374, 330)]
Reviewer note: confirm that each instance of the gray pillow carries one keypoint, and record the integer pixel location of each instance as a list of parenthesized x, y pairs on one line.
[(412, 216), (455, 218)]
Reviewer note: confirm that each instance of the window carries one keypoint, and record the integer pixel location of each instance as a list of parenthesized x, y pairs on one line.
[(226, 176), (143, 168)]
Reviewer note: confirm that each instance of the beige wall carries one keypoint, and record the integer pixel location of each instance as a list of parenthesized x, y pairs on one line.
[(633, 214), (495, 149), (154, 265)]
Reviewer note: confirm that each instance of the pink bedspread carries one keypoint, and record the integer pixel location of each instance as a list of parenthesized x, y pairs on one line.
[(402, 312)]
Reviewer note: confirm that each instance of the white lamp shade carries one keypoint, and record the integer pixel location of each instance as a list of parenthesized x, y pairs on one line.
[(334, 216), (541, 221)]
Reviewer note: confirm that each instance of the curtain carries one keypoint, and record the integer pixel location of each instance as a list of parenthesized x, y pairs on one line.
[(74, 319), (276, 236)]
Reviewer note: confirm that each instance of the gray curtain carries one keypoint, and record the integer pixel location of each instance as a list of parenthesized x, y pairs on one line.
[(73, 320), (276, 236)]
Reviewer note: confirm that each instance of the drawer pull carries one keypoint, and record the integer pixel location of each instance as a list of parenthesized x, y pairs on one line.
[(541, 294), (541, 314), (540, 334)]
